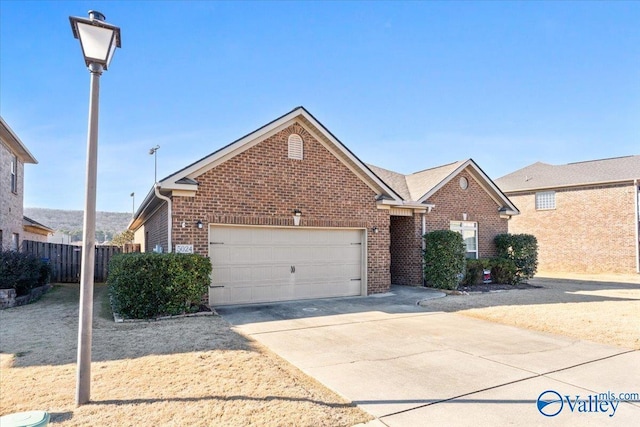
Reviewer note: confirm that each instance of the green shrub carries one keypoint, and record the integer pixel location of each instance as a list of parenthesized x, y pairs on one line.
[(22, 272), (148, 285), (503, 271), (474, 271), (444, 259), (522, 249)]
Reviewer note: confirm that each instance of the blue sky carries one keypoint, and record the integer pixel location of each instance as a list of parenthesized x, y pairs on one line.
[(405, 86)]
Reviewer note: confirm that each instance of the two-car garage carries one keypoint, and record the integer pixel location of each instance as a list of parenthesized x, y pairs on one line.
[(262, 264)]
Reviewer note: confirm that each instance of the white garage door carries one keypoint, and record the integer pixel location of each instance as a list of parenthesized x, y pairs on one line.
[(261, 264)]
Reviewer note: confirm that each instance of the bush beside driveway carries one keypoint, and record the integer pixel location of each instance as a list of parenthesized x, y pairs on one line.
[(188, 371)]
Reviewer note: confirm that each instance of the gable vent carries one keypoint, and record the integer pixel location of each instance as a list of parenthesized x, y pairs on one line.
[(295, 146)]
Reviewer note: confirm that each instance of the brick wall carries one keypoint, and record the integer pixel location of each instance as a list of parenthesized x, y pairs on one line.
[(451, 202), (156, 227), (11, 207), (406, 250), (592, 229), (262, 186)]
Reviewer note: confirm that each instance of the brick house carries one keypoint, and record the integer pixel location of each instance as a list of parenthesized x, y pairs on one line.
[(584, 215), (13, 156), (289, 212), (460, 197)]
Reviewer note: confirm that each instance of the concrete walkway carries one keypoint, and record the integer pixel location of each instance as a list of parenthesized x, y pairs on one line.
[(410, 367)]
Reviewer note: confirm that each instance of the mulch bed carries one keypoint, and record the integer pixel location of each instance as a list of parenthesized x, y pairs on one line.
[(492, 287)]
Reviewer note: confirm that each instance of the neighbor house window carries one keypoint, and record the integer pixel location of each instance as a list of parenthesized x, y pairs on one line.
[(469, 231), (545, 200), (295, 146), (15, 239), (14, 174)]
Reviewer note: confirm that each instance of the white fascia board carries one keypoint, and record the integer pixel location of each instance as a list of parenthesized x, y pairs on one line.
[(175, 186), (269, 130), (559, 187), (336, 144), (486, 183), (17, 145), (231, 150), (444, 181)]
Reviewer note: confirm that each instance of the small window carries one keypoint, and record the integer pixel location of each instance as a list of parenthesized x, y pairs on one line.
[(15, 241), (469, 231), (14, 174), (464, 183), (295, 146), (545, 200)]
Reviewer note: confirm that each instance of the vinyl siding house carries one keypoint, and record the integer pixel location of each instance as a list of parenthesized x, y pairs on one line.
[(584, 215), (13, 156), (289, 212)]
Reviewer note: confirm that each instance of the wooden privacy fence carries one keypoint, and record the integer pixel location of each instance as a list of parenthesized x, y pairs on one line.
[(65, 260)]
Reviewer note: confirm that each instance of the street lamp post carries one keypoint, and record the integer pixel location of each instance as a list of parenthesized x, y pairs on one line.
[(133, 204), (99, 41), (154, 152)]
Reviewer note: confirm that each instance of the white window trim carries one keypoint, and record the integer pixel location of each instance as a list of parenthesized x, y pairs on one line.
[(545, 200), (296, 146), (14, 174), (459, 226)]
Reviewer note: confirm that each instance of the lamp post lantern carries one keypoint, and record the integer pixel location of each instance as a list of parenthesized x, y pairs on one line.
[(99, 41)]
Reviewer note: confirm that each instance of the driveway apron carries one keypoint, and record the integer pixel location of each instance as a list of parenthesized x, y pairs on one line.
[(409, 367)]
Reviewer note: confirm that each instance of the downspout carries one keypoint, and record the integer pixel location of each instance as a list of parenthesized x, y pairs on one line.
[(424, 231), (636, 191), (156, 189)]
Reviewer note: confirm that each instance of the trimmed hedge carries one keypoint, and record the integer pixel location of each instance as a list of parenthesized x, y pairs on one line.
[(503, 271), (22, 272), (444, 259), (148, 285), (522, 249)]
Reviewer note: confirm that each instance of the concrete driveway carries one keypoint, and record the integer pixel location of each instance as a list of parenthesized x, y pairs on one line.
[(410, 367)]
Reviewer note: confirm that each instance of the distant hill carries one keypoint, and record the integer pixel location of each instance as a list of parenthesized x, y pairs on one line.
[(70, 222)]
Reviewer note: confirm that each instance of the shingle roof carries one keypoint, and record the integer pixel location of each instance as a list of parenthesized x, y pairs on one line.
[(393, 179), (542, 175), (415, 185), (420, 183), (420, 186), (30, 222)]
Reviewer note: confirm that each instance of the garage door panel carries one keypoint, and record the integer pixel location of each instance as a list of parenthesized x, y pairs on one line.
[(261, 264)]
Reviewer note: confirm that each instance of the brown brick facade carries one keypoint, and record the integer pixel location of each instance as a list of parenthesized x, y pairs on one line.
[(406, 250), (155, 230), (450, 202), (592, 229), (262, 186)]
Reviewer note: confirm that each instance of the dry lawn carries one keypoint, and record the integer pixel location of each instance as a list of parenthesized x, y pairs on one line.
[(603, 309), (179, 372)]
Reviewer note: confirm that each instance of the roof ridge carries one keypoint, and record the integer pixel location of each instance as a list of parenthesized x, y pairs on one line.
[(438, 167), (600, 160)]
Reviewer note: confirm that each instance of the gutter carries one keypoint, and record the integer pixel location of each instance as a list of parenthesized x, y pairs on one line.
[(156, 189)]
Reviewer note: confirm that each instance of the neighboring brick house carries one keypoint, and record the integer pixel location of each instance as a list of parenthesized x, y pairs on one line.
[(460, 197), (584, 215), (13, 156), (289, 212)]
